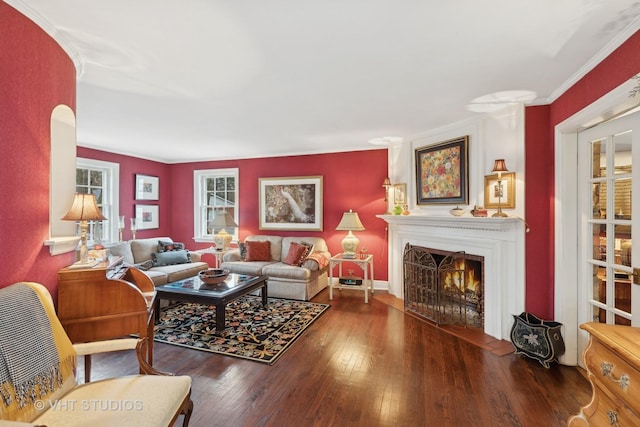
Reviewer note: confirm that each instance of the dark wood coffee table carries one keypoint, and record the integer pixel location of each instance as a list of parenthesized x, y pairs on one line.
[(193, 289)]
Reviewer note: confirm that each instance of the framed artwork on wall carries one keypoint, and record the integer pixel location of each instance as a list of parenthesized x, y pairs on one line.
[(505, 191), (291, 203), (442, 174), (147, 187), (147, 217), (399, 194)]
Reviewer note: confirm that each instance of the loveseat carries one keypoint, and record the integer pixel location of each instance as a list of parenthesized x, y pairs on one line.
[(292, 272), (160, 257)]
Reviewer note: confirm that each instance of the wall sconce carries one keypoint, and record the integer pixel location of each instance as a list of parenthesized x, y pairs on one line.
[(350, 222), (84, 209), (499, 166), (222, 220), (386, 184)]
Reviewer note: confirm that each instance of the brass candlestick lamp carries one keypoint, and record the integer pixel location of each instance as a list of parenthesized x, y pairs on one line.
[(499, 166)]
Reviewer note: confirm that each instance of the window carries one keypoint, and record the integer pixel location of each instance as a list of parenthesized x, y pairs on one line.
[(215, 190), (102, 179)]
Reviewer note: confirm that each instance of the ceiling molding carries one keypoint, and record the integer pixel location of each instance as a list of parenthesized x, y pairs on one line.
[(615, 43), (22, 7)]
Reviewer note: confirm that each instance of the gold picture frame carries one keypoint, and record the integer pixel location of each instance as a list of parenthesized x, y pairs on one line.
[(508, 195), (399, 194)]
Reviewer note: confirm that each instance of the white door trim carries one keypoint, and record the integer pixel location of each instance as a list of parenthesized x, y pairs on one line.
[(566, 208)]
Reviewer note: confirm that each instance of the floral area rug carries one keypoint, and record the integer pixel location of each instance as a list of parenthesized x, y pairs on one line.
[(253, 332)]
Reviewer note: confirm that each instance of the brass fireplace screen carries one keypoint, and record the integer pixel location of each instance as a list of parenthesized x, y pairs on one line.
[(443, 287)]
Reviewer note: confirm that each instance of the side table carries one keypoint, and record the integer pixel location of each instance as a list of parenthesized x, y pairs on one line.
[(214, 252), (366, 265)]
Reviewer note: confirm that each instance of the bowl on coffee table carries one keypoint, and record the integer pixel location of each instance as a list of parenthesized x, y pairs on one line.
[(213, 276)]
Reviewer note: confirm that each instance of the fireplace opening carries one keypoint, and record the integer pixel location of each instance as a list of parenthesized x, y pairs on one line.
[(444, 287)]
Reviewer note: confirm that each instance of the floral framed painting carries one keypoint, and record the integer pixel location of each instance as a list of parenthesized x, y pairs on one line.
[(293, 203), (442, 173), (147, 187)]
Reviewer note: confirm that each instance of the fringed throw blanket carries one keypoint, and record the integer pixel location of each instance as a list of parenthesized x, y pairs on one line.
[(30, 362), (319, 258)]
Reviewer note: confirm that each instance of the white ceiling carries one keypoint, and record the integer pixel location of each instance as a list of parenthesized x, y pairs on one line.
[(179, 81)]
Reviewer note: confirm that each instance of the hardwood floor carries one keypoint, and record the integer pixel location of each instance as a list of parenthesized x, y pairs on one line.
[(369, 365)]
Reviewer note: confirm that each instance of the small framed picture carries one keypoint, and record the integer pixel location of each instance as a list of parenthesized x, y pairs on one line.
[(147, 187), (504, 192), (399, 194), (147, 217)]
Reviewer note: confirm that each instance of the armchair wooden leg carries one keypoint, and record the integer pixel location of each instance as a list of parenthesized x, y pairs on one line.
[(186, 410), (87, 368)]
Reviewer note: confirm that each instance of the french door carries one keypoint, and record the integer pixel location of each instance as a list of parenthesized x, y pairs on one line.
[(607, 291)]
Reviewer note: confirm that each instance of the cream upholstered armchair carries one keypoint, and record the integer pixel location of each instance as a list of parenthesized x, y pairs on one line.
[(37, 375)]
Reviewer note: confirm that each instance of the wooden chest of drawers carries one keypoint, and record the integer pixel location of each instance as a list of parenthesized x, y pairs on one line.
[(612, 359)]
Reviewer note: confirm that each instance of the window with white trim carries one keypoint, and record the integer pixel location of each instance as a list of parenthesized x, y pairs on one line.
[(215, 190), (101, 179)]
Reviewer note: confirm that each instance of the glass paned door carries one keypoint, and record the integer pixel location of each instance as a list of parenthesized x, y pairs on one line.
[(607, 224)]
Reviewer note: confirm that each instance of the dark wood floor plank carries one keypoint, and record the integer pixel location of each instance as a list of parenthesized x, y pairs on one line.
[(369, 365)]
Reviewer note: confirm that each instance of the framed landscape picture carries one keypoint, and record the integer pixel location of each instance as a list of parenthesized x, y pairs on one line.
[(147, 217), (293, 203), (442, 174), (147, 187)]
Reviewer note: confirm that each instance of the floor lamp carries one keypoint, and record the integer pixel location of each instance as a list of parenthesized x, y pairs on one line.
[(499, 166)]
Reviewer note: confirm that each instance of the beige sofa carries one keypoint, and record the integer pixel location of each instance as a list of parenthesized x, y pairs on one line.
[(301, 282), (139, 252)]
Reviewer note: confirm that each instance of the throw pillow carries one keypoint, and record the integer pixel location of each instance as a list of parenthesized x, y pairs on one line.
[(258, 251), (308, 252), (170, 246), (243, 250), (170, 258), (296, 254)]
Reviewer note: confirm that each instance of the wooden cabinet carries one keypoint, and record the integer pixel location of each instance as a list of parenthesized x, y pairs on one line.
[(612, 359), (106, 302)]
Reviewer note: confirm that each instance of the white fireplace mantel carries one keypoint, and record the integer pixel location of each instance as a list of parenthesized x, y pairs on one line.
[(499, 240)]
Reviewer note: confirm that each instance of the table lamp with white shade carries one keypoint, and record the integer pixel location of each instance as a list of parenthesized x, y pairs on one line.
[(221, 221), (350, 222)]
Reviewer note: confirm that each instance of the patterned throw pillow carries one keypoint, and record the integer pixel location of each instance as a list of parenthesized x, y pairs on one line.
[(258, 251), (170, 246), (243, 250), (309, 251)]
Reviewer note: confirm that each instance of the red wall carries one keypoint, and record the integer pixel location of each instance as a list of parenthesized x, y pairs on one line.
[(129, 167), (614, 70), (36, 75), (345, 187)]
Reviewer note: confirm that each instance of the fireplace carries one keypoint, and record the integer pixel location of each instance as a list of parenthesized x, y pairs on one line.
[(498, 241), (444, 287)]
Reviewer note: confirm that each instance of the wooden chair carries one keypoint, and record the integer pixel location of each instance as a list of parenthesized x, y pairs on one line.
[(40, 384)]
